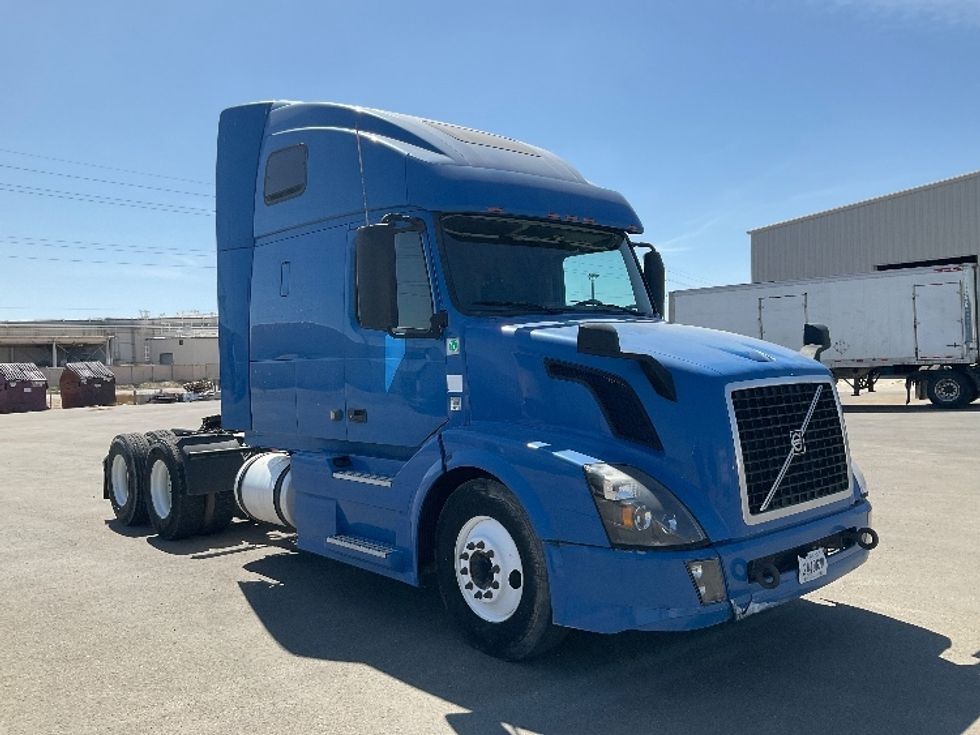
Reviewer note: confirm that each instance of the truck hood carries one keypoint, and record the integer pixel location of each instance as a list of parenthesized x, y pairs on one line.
[(697, 460), (707, 352)]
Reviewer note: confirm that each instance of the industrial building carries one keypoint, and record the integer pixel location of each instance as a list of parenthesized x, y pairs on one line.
[(934, 224), (182, 347)]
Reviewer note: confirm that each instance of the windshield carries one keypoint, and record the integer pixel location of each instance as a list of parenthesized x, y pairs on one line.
[(497, 265)]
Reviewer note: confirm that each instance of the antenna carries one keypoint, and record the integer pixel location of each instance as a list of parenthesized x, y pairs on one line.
[(360, 162)]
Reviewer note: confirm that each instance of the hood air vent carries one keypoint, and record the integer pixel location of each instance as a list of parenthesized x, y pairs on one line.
[(619, 403)]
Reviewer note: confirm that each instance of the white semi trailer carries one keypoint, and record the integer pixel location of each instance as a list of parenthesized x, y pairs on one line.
[(916, 323)]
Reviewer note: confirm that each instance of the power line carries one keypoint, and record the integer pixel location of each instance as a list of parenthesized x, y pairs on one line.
[(106, 168), (105, 262), (90, 245), (104, 181), (100, 199), (106, 244), (123, 248), (689, 276)]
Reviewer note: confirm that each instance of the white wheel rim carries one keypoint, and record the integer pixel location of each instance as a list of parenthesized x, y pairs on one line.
[(119, 479), (161, 491), (488, 569)]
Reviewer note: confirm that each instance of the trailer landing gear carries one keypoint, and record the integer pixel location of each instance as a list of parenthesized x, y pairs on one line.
[(864, 381)]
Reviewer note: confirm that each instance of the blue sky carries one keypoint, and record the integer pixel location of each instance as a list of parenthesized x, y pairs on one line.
[(711, 117)]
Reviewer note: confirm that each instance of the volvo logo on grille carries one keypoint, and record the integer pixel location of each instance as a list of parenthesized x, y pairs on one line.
[(797, 442)]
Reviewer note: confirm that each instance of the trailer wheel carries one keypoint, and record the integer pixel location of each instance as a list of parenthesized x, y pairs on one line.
[(492, 573), (173, 513), (950, 389), (123, 475)]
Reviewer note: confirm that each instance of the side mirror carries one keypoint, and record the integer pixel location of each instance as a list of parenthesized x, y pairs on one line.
[(654, 275), (375, 283), (816, 339)]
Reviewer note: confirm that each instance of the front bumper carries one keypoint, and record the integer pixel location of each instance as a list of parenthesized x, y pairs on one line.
[(609, 590)]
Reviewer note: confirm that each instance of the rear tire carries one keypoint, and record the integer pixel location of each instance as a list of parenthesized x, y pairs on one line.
[(173, 513), (123, 476), (951, 389), (219, 509), (492, 573)]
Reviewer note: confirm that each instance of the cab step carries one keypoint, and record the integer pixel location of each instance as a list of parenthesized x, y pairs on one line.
[(379, 551), (363, 477)]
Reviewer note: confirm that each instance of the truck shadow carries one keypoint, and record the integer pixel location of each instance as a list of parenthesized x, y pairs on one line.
[(805, 667), (241, 535)]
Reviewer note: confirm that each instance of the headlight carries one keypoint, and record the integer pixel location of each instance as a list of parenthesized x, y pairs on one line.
[(859, 479), (638, 511)]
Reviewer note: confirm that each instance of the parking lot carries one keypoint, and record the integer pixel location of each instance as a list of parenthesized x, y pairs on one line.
[(108, 630)]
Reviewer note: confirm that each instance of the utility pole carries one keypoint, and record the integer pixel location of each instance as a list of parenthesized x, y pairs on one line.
[(592, 277)]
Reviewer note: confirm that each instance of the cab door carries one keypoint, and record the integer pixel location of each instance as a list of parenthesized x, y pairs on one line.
[(396, 377)]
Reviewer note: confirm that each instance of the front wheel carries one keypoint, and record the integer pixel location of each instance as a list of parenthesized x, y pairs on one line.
[(492, 572)]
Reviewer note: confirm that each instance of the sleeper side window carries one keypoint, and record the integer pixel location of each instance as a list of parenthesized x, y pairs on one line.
[(285, 174)]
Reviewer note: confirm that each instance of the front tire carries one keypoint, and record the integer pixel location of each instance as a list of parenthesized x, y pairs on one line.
[(951, 389), (492, 573)]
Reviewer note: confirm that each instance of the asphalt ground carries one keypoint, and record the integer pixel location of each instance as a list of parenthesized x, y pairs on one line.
[(109, 630)]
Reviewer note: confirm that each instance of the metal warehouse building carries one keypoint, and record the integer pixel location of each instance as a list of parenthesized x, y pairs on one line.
[(934, 224)]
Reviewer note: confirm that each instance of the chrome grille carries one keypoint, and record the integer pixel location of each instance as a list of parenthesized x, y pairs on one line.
[(768, 422)]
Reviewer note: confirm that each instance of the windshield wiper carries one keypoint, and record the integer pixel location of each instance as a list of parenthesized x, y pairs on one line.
[(520, 305), (602, 305)]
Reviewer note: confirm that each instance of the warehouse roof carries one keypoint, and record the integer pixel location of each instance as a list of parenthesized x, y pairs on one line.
[(90, 370), (13, 371), (872, 200)]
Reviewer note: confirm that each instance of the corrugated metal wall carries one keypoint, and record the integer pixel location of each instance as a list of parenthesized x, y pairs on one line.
[(940, 220)]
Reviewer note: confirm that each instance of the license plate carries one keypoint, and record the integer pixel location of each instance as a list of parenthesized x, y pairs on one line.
[(27, 390), (812, 566)]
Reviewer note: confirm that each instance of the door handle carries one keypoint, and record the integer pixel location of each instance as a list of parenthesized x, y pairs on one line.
[(357, 415)]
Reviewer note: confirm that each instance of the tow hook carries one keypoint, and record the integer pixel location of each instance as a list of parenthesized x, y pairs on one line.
[(765, 573), (866, 538)]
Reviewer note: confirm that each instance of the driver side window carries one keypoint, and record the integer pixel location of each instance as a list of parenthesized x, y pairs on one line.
[(414, 295)]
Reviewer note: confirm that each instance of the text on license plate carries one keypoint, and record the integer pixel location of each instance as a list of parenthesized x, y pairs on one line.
[(812, 566)]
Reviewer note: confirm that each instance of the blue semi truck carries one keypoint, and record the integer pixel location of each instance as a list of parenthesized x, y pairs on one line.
[(440, 356)]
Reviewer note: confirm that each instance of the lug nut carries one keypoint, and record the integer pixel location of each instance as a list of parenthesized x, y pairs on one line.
[(495, 584), (478, 595), (471, 546), (487, 595), (464, 556), (469, 586), (464, 570), (495, 569), (480, 545), (490, 553)]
